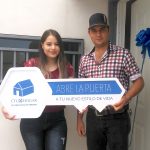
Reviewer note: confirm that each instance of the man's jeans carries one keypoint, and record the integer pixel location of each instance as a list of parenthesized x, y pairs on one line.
[(48, 132), (111, 130)]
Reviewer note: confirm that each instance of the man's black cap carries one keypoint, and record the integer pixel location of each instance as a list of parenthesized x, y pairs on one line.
[(98, 19)]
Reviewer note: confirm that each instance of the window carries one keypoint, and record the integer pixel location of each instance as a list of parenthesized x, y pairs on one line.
[(15, 49)]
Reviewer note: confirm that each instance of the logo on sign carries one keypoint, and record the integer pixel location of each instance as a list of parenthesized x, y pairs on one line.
[(23, 88)]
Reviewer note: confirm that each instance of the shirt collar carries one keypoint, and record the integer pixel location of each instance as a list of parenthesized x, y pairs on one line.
[(110, 48)]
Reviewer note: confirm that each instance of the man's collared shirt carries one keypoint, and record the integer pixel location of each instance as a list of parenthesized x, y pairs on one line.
[(116, 62)]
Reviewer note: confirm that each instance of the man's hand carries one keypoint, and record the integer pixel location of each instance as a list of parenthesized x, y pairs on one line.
[(80, 124), (81, 127), (124, 100), (135, 88)]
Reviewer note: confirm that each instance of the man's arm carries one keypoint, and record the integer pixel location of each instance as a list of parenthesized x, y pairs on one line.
[(80, 124), (135, 88)]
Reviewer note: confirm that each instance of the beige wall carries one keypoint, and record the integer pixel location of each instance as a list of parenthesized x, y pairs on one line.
[(32, 17), (140, 20)]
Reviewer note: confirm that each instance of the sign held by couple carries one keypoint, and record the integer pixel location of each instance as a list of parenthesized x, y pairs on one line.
[(24, 92)]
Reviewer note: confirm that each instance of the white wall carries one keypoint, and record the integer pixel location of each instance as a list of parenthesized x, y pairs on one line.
[(32, 17)]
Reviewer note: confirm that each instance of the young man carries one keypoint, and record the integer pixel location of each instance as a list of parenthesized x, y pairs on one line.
[(111, 126)]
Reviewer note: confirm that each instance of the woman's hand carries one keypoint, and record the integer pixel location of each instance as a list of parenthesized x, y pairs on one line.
[(7, 115)]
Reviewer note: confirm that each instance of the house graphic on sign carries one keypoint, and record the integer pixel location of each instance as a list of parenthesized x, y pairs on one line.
[(23, 88)]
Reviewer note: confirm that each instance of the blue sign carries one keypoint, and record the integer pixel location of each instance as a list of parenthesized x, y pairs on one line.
[(85, 87)]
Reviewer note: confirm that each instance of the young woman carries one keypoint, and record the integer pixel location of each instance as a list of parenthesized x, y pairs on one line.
[(49, 131)]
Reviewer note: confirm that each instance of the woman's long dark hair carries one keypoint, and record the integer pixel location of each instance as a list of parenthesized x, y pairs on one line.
[(62, 62)]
